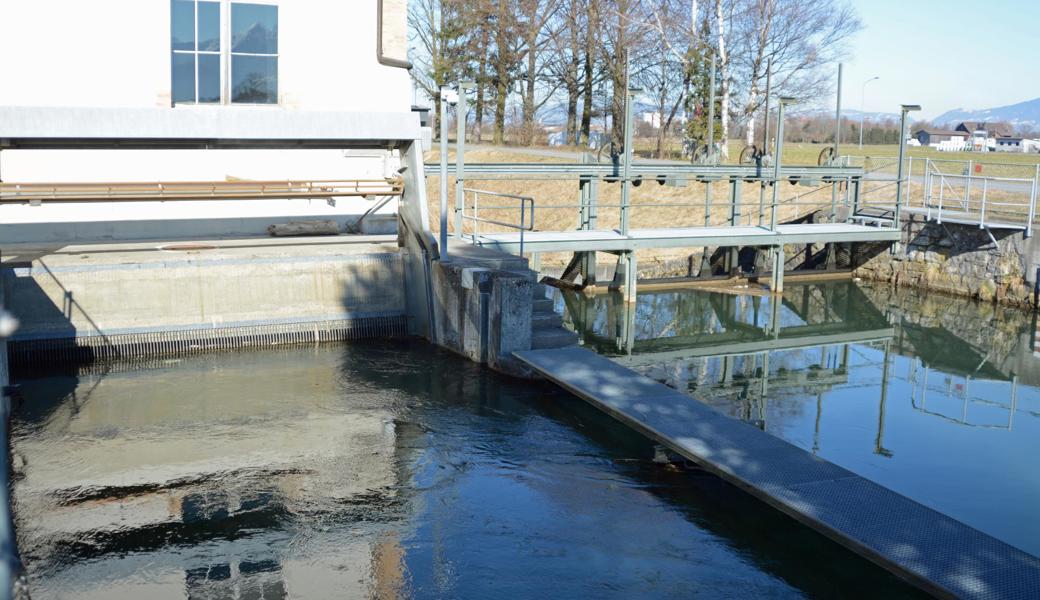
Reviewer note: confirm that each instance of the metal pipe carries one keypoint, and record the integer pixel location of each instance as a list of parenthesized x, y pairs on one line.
[(837, 117), (460, 155), (862, 109), (626, 174), (444, 173), (711, 110), (769, 88), (778, 158), (900, 175)]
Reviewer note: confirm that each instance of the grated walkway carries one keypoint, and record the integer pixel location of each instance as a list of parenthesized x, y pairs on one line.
[(685, 237), (941, 555)]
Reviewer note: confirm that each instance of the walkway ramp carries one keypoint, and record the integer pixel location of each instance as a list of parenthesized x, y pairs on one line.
[(684, 237), (941, 555)]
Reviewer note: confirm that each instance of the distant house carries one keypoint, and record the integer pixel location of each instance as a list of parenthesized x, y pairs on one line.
[(1017, 144), (993, 130), (933, 137)]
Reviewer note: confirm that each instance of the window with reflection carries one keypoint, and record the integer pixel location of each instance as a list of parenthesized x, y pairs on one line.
[(254, 53), (223, 52)]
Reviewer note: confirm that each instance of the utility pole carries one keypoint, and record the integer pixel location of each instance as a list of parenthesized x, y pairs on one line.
[(862, 103)]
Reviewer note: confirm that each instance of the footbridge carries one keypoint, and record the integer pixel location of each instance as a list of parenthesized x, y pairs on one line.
[(803, 223)]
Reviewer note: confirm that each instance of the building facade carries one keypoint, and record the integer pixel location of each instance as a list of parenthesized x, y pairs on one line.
[(164, 70)]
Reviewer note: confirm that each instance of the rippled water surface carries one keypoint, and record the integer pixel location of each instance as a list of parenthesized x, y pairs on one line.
[(935, 397), (380, 469)]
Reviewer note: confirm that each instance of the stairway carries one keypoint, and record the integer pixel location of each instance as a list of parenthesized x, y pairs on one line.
[(547, 329)]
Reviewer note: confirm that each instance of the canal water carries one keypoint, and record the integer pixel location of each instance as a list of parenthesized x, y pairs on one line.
[(388, 468), (934, 397)]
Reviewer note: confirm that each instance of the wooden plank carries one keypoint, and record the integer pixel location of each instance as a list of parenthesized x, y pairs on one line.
[(941, 555)]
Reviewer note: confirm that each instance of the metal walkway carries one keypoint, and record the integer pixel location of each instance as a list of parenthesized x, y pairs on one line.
[(683, 237), (941, 555)]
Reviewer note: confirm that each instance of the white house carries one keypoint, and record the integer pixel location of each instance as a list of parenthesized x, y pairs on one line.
[(174, 80), (1017, 144)]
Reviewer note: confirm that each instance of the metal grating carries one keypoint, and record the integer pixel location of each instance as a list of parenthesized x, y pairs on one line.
[(31, 354)]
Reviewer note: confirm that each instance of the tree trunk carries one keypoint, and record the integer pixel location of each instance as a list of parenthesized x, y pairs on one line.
[(589, 66), (724, 72)]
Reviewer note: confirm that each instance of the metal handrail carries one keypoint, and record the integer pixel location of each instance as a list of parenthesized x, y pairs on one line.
[(476, 219), (129, 191)]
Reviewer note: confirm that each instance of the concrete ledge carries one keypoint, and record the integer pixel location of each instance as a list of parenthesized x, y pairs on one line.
[(102, 294)]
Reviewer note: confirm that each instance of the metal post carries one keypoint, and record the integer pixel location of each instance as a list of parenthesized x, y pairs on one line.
[(862, 114), (444, 173), (460, 155), (769, 89), (1032, 202), (901, 173), (778, 158), (982, 211), (837, 118), (625, 183), (776, 284), (711, 110), (967, 187)]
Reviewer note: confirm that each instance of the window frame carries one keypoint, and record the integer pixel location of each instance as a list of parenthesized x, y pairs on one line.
[(224, 53)]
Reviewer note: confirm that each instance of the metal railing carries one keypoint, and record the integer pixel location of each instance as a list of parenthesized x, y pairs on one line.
[(989, 201), (526, 214), (128, 191)]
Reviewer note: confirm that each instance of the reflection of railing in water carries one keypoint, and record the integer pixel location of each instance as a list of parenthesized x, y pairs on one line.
[(920, 403)]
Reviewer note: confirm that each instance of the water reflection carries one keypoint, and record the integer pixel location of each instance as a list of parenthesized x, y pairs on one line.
[(377, 469), (934, 397)]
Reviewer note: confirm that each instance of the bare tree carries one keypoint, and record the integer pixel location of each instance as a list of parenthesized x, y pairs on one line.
[(437, 28), (802, 39)]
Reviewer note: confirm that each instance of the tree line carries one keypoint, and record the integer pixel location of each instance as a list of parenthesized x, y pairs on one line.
[(578, 57)]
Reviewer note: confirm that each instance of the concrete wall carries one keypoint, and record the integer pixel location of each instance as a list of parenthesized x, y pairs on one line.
[(482, 307), (139, 297), (960, 260)]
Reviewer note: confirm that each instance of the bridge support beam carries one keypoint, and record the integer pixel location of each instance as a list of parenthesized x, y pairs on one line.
[(625, 276), (776, 281)]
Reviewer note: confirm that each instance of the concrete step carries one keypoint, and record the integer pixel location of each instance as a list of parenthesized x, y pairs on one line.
[(539, 290), (552, 337), (541, 305), (544, 319)]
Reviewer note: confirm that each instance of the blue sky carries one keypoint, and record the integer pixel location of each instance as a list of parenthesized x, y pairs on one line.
[(944, 54)]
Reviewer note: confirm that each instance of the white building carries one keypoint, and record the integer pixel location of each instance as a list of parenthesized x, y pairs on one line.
[(1017, 144), (326, 77)]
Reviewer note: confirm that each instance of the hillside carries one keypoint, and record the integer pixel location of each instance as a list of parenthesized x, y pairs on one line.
[(1024, 114)]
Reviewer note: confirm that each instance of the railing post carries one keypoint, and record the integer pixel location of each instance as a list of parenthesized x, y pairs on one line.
[(901, 173), (967, 188), (942, 186), (982, 211), (1032, 202)]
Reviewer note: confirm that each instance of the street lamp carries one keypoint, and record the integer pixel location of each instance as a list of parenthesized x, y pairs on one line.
[(862, 114), (900, 176)]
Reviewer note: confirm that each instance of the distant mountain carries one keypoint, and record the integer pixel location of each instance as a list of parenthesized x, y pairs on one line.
[(847, 113), (1022, 115)]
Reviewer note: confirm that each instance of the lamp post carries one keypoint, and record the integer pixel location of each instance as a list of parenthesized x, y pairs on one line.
[(904, 109), (862, 103)]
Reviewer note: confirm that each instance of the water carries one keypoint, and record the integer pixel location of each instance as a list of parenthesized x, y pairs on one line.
[(933, 397), (378, 469)]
